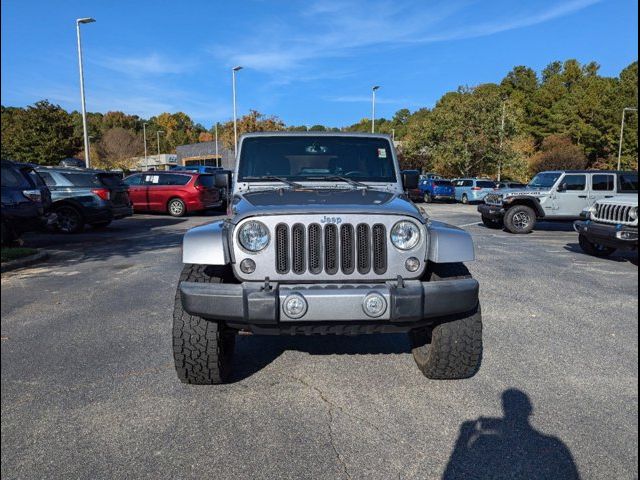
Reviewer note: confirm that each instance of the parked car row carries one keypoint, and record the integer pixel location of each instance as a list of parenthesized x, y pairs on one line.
[(433, 187), (72, 198)]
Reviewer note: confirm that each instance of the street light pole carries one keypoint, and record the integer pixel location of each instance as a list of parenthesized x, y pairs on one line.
[(82, 100), (235, 119), (373, 108), (217, 156), (504, 108), (144, 136), (158, 138), (624, 110)]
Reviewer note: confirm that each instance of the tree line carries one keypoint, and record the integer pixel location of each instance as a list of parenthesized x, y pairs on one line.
[(568, 116)]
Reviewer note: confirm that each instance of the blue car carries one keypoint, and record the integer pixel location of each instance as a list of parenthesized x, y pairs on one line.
[(470, 190), (437, 189), (198, 168)]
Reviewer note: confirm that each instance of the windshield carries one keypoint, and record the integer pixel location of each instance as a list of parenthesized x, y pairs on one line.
[(545, 180), (316, 158)]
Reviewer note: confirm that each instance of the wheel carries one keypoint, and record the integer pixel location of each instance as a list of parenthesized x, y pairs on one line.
[(7, 234), (453, 349), (465, 199), (101, 224), (69, 219), (202, 349), (520, 219), (593, 248), (427, 198), (491, 223), (176, 208)]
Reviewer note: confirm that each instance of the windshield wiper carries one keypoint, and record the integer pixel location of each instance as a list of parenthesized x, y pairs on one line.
[(343, 179), (279, 179)]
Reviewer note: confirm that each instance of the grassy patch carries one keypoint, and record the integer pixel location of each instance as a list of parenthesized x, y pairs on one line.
[(7, 254)]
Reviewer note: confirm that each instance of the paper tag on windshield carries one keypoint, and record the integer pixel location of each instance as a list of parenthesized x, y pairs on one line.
[(382, 153)]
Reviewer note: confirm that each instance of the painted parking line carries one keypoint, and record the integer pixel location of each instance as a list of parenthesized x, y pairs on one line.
[(469, 224)]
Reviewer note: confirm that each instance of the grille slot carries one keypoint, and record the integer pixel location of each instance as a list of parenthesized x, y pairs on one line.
[(347, 255), (331, 249), (363, 241), (379, 249), (315, 248), (298, 263), (282, 248)]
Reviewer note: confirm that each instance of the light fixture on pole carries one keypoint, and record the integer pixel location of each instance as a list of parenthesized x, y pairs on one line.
[(624, 111), (144, 137), (158, 138), (234, 70), (373, 107), (82, 101)]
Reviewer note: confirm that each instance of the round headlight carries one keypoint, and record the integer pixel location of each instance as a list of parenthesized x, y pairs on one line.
[(253, 236), (633, 213), (405, 235)]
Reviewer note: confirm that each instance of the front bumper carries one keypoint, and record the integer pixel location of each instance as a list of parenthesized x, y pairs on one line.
[(491, 211), (409, 304), (444, 196), (616, 236)]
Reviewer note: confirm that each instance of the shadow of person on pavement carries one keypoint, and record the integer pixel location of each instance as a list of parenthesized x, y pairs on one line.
[(509, 447)]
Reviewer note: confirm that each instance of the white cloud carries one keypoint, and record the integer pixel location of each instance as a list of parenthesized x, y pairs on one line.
[(329, 29), (152, 64)]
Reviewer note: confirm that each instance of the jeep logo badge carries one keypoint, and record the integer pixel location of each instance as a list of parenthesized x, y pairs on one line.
[(333, 220)]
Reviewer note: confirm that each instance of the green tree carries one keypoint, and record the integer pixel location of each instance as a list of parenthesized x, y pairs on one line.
[(41, 133)]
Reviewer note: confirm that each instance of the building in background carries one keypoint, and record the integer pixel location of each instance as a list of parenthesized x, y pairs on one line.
[(164, 161), (204, 153)]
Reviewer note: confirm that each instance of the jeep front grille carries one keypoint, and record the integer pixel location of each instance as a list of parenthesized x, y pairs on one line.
[(493, 199), (330, 249), (614, 214)]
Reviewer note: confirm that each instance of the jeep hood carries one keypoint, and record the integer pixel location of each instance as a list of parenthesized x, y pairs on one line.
[(285, 201), (630, 200), (527, 192)]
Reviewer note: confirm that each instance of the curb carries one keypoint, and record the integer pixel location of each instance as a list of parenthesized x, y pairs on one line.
[(24, 262)]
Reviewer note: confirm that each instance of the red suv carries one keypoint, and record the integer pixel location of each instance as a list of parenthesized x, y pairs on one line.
[(172, 192)]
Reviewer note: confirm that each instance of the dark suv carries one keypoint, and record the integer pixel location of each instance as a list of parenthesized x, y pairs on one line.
[(25, 200), (86, 197)]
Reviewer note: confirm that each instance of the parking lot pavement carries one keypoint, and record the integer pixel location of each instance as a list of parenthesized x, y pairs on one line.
[(89, 391)]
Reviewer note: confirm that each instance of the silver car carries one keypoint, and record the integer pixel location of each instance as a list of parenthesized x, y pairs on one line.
[(321, 239)]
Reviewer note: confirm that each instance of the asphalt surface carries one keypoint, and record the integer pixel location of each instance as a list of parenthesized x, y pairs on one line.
[(89, 390)]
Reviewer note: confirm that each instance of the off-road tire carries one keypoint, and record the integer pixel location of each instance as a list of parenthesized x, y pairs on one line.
[(7, 234), (70, 219), (452, 349), (176, 207), (465, 199), (427, 198), (491, 223), (520, 219), (593, 248), (202, 349)]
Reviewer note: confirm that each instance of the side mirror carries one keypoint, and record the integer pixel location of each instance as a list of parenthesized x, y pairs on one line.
[(410, 180), (222, 180), (562, 187)]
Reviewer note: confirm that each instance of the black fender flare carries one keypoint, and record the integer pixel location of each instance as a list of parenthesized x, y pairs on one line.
[(532, 202)]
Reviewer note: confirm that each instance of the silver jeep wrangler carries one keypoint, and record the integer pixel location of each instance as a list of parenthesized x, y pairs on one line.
[(554, 196), (321, 239)]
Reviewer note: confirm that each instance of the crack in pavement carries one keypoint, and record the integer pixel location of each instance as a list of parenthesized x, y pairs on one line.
[(330, 407)]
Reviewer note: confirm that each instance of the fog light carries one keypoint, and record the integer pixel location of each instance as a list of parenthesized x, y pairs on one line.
[(374, 305), (247, 266), (627, 235), (295, 306), (412, 264)]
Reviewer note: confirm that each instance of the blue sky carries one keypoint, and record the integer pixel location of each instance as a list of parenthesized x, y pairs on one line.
[(307, 62)]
